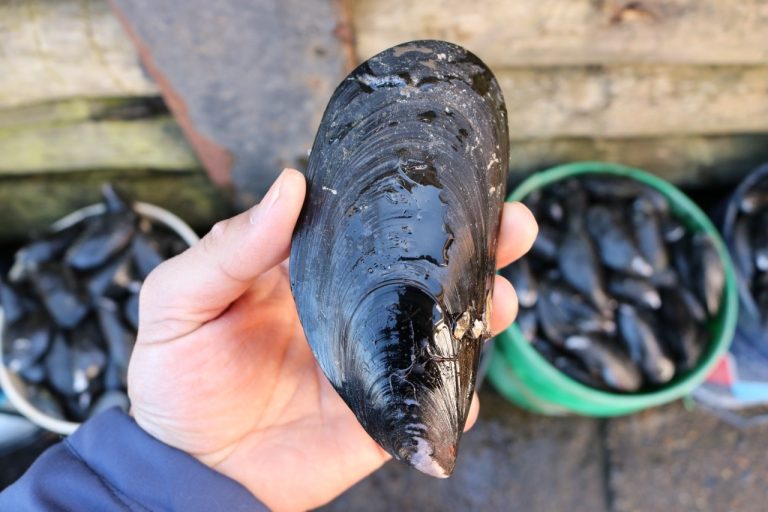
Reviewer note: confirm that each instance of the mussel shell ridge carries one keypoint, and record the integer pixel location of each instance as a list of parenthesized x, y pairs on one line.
[(392, 261)]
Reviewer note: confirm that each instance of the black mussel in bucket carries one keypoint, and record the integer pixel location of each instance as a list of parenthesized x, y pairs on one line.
[(392, 260), (70, 309), (747, 236), (619, 292)]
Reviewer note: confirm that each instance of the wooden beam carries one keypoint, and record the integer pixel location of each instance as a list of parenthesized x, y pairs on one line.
[(635, 101), (568, 32), (52, 49), (697, 161), (34, 202), (75, 110), (155, 143)]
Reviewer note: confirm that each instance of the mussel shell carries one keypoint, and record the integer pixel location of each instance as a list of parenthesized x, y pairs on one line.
[(547, 242), (635, 291), (392, 260), (131, 310), (707, 271), (647, 231), (115, 199), (605, 361), (14, 303), (520, 275), (111, 279), (644, 345), (578, 262), (146, 254), (48, 248), (614, 242), (26, 341), (118, 339), (102, 239), (59, 290)]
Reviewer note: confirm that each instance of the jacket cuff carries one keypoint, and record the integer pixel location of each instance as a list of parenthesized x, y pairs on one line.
[(153, 474)]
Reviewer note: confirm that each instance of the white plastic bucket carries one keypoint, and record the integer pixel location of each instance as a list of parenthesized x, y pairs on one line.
[(13, 386)]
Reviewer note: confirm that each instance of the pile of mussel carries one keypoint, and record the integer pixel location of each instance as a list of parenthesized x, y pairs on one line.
[(70, 307), (616, 292), (750, 245)]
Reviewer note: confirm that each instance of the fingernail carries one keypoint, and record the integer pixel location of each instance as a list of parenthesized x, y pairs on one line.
[(273, 194)]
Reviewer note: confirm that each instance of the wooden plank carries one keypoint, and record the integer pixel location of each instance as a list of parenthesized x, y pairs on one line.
[(46, 113), (567, 32), (693, 161), (635, 101), (34, 202), (155, 143), (65, 48), (594, 101), (79, 110)]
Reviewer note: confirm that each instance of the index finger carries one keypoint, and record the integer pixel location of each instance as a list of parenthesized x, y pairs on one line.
[(517, 232), (196, 286)]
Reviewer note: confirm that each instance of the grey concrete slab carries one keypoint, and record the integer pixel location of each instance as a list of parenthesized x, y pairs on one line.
[(247, 80), (674, 459), (510, 461)]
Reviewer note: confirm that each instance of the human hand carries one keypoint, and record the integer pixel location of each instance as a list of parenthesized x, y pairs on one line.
[(221, 368)]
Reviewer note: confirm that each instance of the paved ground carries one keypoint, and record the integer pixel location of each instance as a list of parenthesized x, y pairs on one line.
[(673, 459), (670, 458), (510, 460), (666, 459)]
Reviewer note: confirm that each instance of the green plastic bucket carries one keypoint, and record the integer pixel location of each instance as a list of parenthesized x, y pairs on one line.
[(524, 377)]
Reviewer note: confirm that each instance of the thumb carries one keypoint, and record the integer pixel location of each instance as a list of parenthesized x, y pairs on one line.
[(198, 285)]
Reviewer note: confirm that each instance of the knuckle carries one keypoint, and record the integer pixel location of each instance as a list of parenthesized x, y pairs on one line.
[(209, 241), (219, 228), (153, 283), (150, 283)]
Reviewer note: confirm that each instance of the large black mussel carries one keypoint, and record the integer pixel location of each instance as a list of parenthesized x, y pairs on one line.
[(392, 261), (70, 307), (618, 292)]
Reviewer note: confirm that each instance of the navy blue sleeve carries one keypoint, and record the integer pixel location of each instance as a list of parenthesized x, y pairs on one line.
[(110, 463)]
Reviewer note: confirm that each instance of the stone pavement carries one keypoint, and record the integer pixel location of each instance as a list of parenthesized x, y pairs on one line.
[(666, 459), (669, 459), (510, 460), (673, 459)]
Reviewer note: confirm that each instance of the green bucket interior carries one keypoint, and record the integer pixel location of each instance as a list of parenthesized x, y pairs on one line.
[(524, 377)]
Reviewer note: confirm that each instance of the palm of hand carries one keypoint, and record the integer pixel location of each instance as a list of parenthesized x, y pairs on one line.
[(222, 370), (244, 395)]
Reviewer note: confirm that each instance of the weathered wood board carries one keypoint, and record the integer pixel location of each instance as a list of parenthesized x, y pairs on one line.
[(612, 101), (635, 101), (677, 87), (693, 161), (574, 32), (140, 144), (80, 109), (52, 49), (54, 157), (30, 203)]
